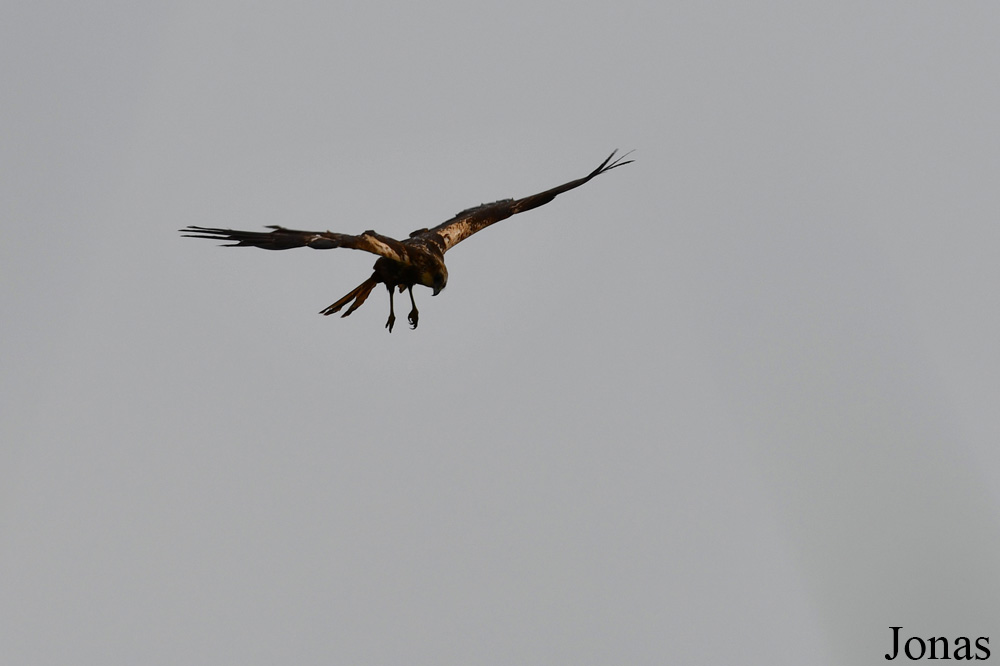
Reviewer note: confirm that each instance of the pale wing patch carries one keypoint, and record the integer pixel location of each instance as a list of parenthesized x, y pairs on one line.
[(326, 241), (382, 248), (456, 232), (471, 220)]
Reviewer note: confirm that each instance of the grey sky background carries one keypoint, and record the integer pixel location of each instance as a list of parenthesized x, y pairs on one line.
[(733, 403)]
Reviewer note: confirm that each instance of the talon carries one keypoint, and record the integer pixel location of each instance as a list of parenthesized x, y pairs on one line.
[(414, 315), (392, 310)]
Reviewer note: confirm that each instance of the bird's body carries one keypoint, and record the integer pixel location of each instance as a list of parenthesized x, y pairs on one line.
[(417, 260)]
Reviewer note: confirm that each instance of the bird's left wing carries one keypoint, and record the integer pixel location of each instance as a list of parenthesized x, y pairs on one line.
[(284, 239), (450, 233)]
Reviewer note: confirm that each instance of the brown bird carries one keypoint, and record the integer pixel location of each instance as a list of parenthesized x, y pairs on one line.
[(417, 260)]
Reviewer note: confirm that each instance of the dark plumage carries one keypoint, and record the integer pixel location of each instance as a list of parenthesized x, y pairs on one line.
[(402, 264)]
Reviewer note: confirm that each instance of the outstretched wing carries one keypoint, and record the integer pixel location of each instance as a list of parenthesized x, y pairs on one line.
[(450, 233), (284, 239)]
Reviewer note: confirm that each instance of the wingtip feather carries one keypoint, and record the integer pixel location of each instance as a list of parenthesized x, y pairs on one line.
[(608, 164)]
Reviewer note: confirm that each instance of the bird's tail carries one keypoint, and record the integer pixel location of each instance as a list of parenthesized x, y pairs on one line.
[(359, 294)]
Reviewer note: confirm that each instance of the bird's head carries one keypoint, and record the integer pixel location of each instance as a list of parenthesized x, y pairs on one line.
[(440, 281), (436, 279)]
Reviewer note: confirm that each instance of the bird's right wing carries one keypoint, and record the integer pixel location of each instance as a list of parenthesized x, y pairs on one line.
[(284, 239)]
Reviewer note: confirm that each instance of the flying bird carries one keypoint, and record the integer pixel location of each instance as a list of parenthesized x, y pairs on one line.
[(401, 264)]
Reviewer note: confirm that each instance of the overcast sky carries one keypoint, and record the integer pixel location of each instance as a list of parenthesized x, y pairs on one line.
[(735, 403)]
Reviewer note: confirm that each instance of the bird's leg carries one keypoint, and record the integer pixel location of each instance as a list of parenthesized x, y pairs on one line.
[(392, 314), (414, 315)]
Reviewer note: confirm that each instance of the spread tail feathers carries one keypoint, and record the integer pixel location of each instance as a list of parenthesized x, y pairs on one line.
[(359, 294)]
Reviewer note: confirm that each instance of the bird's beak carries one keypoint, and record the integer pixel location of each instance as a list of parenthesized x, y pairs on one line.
[(436, 291)]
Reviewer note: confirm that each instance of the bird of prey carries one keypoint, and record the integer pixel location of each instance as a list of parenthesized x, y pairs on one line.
[(401, 264)]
